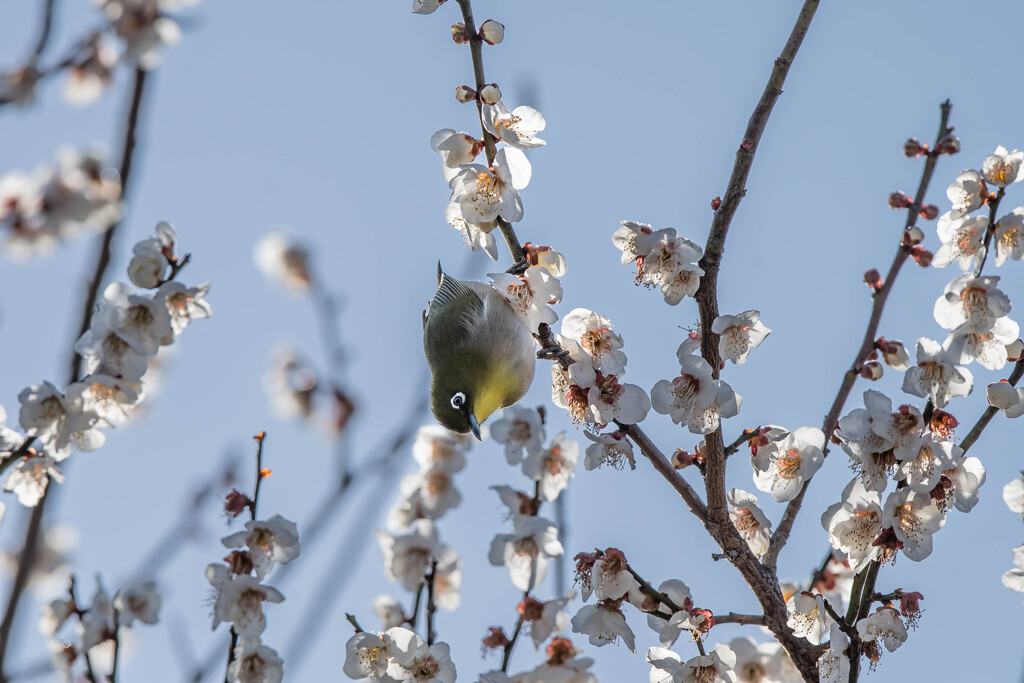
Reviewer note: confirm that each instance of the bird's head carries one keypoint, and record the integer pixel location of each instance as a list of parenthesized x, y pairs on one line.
[(467, 393)]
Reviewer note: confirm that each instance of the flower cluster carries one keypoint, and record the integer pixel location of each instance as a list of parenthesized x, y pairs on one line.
[(239, 591), (591, 389), (695, 398), (126, 332), (56, 202), (97, 627), (662, 258), (1013, 495)]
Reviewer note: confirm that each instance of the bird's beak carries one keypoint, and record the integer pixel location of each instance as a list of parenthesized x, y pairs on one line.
[(474, 426)]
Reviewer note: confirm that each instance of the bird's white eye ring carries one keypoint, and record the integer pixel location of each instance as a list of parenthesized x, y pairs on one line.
[(458, 400)]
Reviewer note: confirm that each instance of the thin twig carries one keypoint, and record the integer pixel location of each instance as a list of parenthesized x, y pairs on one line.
[(44, 32), (506, 655), (746, 436), (879, 299), (742, 619), (260, 474), (846, 628), (650, 591), (355, 622), (89, 674), (117, 646), (431, 605)]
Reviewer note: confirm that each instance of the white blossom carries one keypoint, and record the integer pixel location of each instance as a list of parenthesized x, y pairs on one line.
[(1009, 236), (366, 655), (834, 664), (781, 467), (407, 557), (1001, 167), (714, 667), (885, 626), (184, 304), (455, 149), (553, 466), (526, 551), (967, 475), (517, 128), (967, 193), (438, 448), (936, 376), (961, 239), (739, 334), (601, 347), (140, 602), (283, 261), (389, 611), (1013, 495), (530, 294), (240, 600), (484, 194), (668, 630), (271, 542), (58, 421), (689, 395), (749, 520), (807, 616), (1014, 578), (410, 659), (603, 623), (914, 518), (519, 429), (611, 448), (30, 476), (553, 619), (255, 662)]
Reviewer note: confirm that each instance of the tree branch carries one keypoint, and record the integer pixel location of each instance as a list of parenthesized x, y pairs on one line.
[(782, 532), (990, 412), (665, 469)]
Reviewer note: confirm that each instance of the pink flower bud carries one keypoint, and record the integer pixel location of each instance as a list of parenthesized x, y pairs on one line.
[(871, 370), (489, 94), (948, 145), (459, 33), (715, 203), (465, 94), (913, 235), (912, 148), (1015, 351), (898, 200), (492, 32), (873, 279), (681, 459), (1002, 395), (922, 256), (236, 503), (929, 212)]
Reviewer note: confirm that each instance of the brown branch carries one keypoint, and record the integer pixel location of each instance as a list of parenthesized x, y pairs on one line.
[(990, 412), (476, 51), (506, 655), (707, 294), (665, 469), (44, 32), (117, 646), (742, 619), (28, 553), (746, 436), (647, 589), (782, 532), (431, 605)]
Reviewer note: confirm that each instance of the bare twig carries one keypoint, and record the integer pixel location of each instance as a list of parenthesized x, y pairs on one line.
[(743, 619), (431, 605), (746, 436), (649, 591), (44, 32), (355, 622), (782, 532), (117, 646)]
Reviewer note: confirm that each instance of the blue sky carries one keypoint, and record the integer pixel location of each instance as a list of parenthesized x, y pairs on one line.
[(316, 117)]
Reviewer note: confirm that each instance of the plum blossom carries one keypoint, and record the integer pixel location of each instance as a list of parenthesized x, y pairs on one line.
[(976, 313), (526, 551), (625, 238), (761, 662), (140, 602), (885, 626), (1009, 236), (562, 666), (782, 466), (611, 448), (484, 194), (936, 376), (749, 520), (517, 128), (1002, 168), (967, 193), (407, 557), (255, 662), (530, 294), (1013, 495), (1014, 578), (30, 476), (669, 262), (834, 664), (437, 448), (91, 73), (926, 461), (410, 659), (240, 600), (597, 398), (961, 239), (283, 261), (97, 624), (966, 476), (739, 334), (604, 623), (429, 494), (184, 304), (455, 150), (668, 630), (58, 421), (519, 429), (610, 579), (726, 404), (477, 236), (552, 620), (600, 345), (714, 667), (426, 6), (688, 395), (807, 616), (111, 399), (552, 466), (854, 523), (271, 542), (367, 654), (914, 518)]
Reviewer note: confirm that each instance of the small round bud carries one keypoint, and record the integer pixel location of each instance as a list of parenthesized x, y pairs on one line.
[(898, 200), (1015, 351), (496, 639), (489, 94), (913, 147), (921, 255), (871, 370), (459, 33), (492, 32), (948, 145), (913, 235), (715, 203), (873, 279), (681, 459), (1002, 395), (465, 94), (929, 212)]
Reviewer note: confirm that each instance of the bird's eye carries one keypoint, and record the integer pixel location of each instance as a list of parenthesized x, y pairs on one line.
[(458, 400)]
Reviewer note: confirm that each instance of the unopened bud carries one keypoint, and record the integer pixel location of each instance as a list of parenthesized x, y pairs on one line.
[(236, 502), (1002, 395), (459, 33), (465, 94), (496, 639), (489, 94), (913, 235), (898, 200), (1015, 351), (871, 370), (929, 212), (715, 203), (873, 279), (913, 147), (894, 353), (921, 255), (492, 32), (948, 145), (681, 459)]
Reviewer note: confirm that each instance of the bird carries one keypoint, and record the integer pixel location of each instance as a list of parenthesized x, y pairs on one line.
[(480, 352)]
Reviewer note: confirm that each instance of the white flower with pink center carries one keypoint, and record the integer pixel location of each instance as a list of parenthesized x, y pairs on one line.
[(1009, 236), (807, 616), (553, 466), (30, 476), (884, 626), (739, 334), (781, 467), (484, 193), (1001, 167), (519, 429), (936, 376), (961, 239), (854, 523), (530, 294), (748, 518), (967, 193), (971, 303), (604, 623), (526, 551), (455, 149), (602, 347), (689, 394), (914, 518), (517, 128), (410, 659)]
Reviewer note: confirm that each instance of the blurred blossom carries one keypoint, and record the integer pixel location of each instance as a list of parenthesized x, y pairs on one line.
[(283, 261)]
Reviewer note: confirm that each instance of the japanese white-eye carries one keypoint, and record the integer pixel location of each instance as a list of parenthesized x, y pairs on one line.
[(480, 352)]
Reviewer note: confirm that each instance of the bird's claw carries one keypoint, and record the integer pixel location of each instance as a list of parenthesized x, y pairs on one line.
[(519, 267), (552, 353)]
